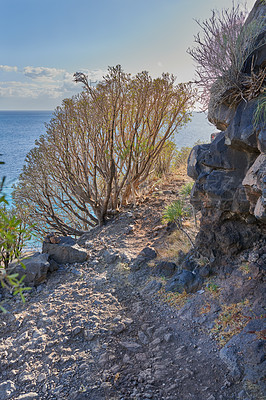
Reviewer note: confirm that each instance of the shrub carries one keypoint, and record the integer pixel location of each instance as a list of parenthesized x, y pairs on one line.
[(99, 147), (186, 189), (165, 159), (176, 212), (12, 239), (221, 50)]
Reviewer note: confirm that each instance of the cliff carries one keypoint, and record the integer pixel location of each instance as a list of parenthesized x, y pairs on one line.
[(230, 172)]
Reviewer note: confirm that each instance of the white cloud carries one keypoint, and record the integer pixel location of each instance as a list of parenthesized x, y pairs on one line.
[(7, 68), (50, 83), (42, 73)]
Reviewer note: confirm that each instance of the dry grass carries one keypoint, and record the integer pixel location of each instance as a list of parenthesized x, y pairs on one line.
[(176, 300), (175, 243), (230, 322)]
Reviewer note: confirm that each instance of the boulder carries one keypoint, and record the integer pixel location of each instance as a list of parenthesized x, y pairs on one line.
[(36, 268), (184, 280), (165, 268), (147, 254), (66, 251)]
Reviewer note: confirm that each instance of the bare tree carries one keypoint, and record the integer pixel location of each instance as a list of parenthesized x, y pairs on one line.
[(99, 147)]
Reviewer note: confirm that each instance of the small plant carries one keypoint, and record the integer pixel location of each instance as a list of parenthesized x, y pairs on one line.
[(186, 189), (260, 112), (244, 267), (177, 300), (212, 287), (176, 212)]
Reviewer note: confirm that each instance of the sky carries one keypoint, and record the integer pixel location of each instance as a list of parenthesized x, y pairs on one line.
[(44, 42)]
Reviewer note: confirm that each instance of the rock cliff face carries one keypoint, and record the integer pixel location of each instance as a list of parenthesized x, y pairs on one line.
[(230, 173)]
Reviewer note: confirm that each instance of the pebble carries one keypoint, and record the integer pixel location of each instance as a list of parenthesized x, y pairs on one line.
[(132, 346)]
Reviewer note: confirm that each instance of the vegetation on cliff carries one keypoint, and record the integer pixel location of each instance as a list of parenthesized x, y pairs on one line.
[(224, 53)]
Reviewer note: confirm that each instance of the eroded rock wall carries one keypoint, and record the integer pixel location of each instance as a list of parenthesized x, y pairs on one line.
[(230, 175)]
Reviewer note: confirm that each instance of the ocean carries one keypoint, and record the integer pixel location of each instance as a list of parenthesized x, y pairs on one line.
[(20, 129)]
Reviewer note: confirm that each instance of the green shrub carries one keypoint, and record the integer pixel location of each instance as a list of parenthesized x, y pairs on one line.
[(260, 112), (176, 212), (12, 239), (186, 189)]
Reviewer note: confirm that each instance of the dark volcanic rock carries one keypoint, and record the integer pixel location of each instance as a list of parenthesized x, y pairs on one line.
[(185, 280), (147, 254), (66, 251), (36, 268), (165, 268)]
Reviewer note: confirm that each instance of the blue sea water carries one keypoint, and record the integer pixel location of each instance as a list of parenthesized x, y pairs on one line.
[(20, 129), (18, 132)]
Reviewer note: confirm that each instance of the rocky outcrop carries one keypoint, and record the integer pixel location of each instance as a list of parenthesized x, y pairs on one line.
[(230, 174), (64, 250)]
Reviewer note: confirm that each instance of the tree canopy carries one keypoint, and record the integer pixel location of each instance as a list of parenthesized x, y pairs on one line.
[(99, 147)]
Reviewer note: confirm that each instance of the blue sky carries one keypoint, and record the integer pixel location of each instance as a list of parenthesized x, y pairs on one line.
[(43, 42)]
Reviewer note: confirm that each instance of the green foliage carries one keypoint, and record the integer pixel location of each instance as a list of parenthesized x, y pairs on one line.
[(186, 189), (13, 235), (259, 117), (176, 212)]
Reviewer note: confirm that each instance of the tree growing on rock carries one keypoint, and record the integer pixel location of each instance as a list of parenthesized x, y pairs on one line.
[(99, 147)]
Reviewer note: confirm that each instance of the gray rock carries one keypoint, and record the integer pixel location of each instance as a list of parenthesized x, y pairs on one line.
[(143, 338), (230, 356), (151, 287), (132, 346), (28, 396), (110, 256), (165, 268), (185, 280), (36, 269), (241, 134), (6, 390), (144, 256), (67, 251), (220, 115)]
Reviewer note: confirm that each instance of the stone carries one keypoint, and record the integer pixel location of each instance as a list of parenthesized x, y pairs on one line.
[(131, 346), (151, 287), (36, 269), (147, 254), (28, 396), (255, 187), (220, 115), (110, 256), (185, 280), (143, 338), (7, 389), (241, 134), (66, 251), (165, 268)]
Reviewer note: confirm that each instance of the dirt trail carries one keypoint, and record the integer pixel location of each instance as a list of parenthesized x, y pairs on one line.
[(99, 331)]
